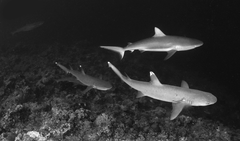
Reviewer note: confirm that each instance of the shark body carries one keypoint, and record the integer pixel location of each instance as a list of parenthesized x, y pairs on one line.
[(28, 27), (159, 43), (87, 80), (178, 96)]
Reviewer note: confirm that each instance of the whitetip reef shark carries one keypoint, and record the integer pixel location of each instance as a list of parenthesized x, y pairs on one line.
[(89, 81), (28, 27), (159, 43), (178, 96)]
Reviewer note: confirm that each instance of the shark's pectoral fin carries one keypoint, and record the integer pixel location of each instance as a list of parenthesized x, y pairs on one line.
[(177, 108), (170, 53), (140, 94), (87, 89)]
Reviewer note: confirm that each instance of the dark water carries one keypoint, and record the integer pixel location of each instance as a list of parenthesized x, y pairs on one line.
[(213, 67)]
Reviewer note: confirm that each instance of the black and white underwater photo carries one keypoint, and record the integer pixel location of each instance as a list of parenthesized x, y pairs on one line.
[(119, 70)]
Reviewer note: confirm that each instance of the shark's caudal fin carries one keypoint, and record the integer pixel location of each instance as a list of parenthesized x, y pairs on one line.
[(120, 50)]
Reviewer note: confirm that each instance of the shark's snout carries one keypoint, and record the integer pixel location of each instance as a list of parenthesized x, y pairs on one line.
[(213, 99), (197, 43)]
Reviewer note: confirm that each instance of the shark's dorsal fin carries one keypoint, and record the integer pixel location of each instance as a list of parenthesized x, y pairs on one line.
[(82, 70), (177, 108), (158, 32), (154, 79), (129, 43), (184, 84)]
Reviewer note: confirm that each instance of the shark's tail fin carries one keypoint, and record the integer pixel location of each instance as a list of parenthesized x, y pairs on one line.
[(13, 33), (120, 50)]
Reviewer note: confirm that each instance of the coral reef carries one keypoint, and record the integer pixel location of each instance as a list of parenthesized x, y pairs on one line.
[(34, 107)]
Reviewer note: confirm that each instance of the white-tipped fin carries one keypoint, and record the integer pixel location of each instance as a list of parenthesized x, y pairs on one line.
[(120, 50), (184, 84), (158, 32), (154, 79), (170, 54), (82, 70), (177, 108)]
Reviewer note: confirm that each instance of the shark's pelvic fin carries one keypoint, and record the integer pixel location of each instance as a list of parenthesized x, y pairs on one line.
[(184, 84), (170, 53), (140, 94), (154, 79), (120, 50), (158, 32), (87, 89), (177, 108)]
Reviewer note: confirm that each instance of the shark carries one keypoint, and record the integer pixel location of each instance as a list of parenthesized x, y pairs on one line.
[(159, 43), (28, 27), (178, 96), (84, 79)]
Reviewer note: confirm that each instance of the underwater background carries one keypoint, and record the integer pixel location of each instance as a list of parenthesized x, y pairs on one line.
[(35, 106)]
